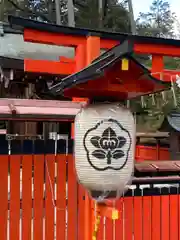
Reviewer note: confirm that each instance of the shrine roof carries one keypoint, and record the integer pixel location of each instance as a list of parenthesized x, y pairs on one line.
[(133, 81)]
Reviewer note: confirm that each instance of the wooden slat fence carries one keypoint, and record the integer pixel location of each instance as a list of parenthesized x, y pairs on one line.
[(41, 199)]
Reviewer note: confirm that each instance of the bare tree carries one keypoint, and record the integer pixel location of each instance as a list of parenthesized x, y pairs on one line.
[(101, 13), (131, 16), (71, 18), (58, 12)]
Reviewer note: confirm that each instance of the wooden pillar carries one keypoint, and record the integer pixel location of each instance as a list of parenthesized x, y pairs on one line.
[(85, 54), (92, 48), (92, 52), (22, 127), (80, 58), (157, 66), (30, 128), (174, 145)]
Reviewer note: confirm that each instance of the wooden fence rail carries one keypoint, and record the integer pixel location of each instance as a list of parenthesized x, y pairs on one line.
[(41, 199)]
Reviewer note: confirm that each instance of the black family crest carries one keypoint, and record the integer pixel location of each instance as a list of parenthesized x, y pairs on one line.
[(110, 147)]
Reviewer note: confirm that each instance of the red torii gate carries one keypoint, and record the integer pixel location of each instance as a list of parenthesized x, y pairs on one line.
[(88, 44)]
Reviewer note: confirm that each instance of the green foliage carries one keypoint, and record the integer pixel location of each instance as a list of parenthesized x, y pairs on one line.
[(158, 22), (33, 9), (172, 63), (155, 108), (86, 13), (115, 19)]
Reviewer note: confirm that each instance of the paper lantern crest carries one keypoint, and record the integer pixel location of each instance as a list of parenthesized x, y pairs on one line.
[(104, 147), (107, 147)]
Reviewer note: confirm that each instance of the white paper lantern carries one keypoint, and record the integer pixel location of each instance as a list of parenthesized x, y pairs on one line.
[(104, 147)]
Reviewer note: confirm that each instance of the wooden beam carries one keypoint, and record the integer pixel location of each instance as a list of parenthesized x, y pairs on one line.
[(11, 63), (92, 52), (152, 134), (62, 39), (107, 44), (32, 109), (52, 38), (73, 41), (67, 68), (51, 67), (163, 50), (80, 63)]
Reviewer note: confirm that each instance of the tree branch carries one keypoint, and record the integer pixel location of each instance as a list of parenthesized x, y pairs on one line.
[(29, 11), (79, 3)]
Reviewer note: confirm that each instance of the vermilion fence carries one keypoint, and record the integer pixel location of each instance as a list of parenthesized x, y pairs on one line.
[(152, 153), (41, 199)]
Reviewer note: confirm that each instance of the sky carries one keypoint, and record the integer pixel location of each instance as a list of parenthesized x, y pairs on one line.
[(143, 6)]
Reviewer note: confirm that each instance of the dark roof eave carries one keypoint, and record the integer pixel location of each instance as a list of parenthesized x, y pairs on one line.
[(22, 23), (7, 29), (11, 63)]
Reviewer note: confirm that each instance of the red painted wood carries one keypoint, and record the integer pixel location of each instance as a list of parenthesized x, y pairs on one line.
[(50, 67), (72, 200), (52, 38), (81, 208), (128, 218), (149, 153), (38, 196), (157, 64), (119, 225), (60, 39), (154, 49), (101, 232), (14, 197), (138, 224), (50, 197), (174, 228), (165, 220), (109, 229), (147, 220), (61, 197), (26, 196), (156, 218), (4, 196)]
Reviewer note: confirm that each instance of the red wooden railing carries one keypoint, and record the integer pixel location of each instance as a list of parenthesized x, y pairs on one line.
[(41, 200), (151, 153)]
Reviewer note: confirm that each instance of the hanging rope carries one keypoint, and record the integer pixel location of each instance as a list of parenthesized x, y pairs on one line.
[(96, 227)]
